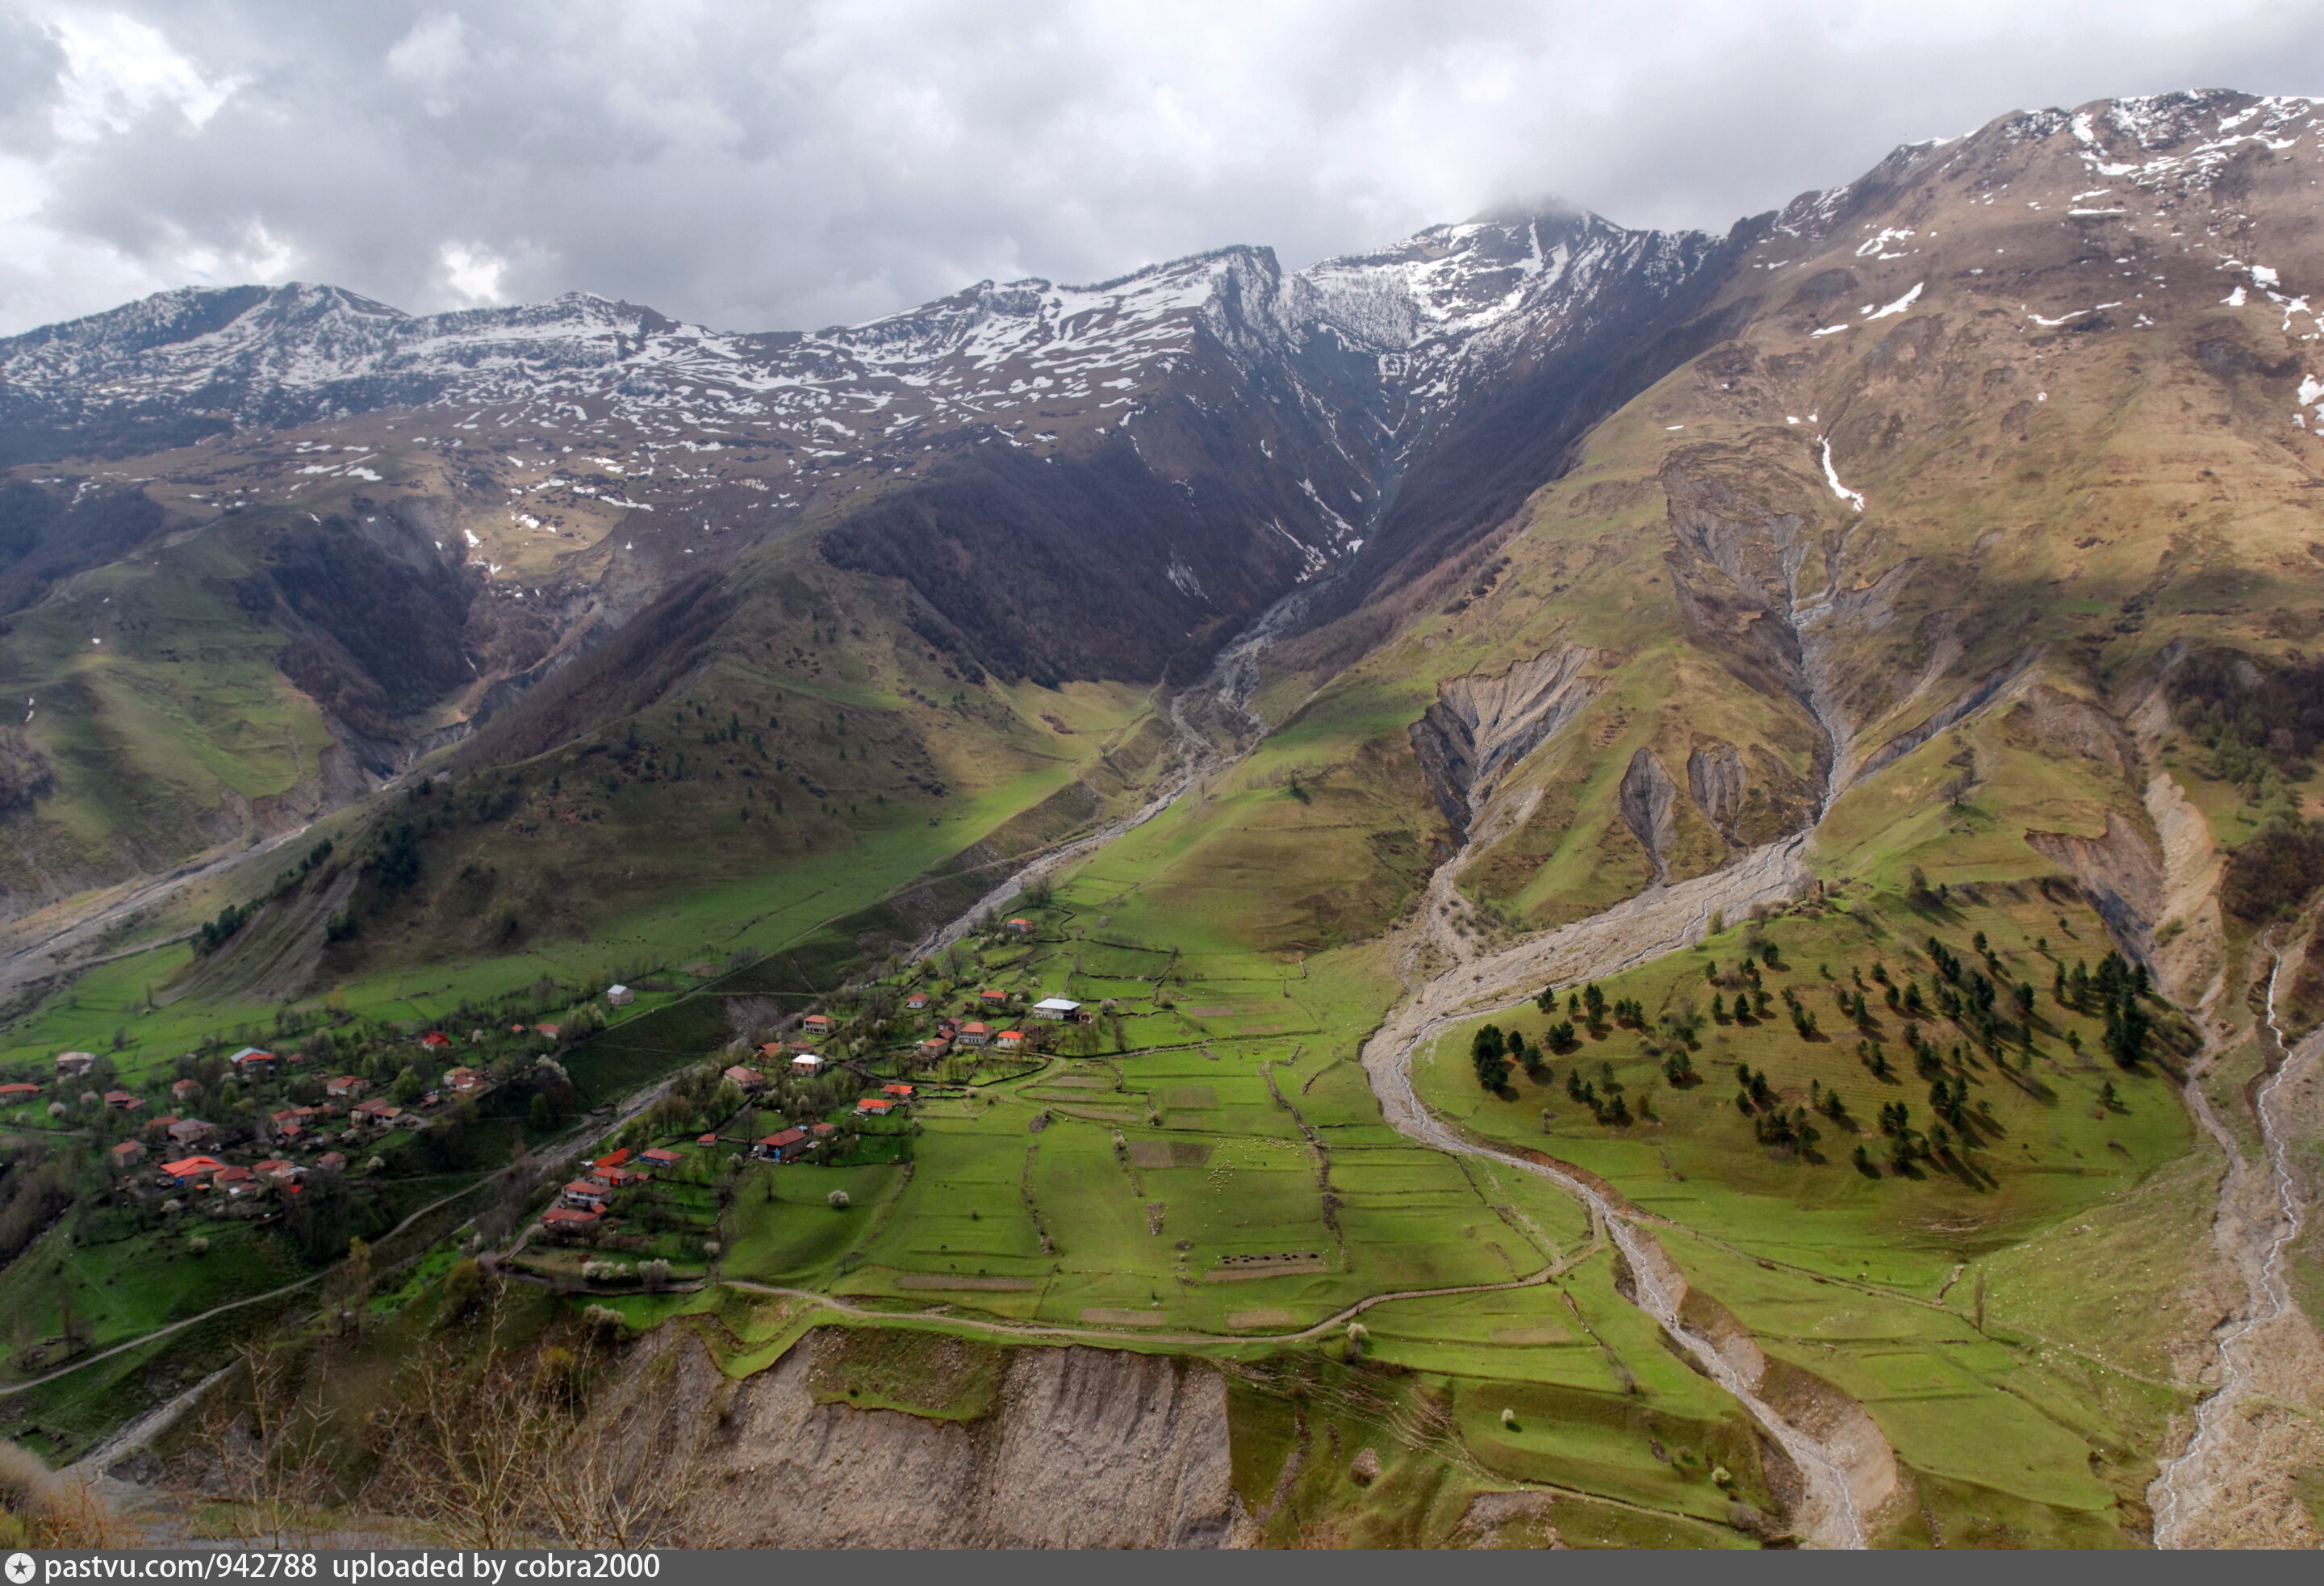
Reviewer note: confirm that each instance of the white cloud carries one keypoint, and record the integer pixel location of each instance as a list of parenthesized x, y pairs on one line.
[(474, 273), (434, 53), (119, 70), (768, 166)]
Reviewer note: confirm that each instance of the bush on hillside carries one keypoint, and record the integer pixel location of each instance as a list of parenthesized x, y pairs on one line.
[(2275, 873)]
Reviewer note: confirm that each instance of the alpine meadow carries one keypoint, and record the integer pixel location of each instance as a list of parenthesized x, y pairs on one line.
[(1555, 886)]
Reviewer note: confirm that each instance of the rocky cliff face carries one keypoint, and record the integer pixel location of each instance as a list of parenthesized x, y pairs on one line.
[(1083, 1448)]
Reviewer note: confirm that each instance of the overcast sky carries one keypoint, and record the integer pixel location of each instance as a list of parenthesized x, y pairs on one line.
[(764, 165)]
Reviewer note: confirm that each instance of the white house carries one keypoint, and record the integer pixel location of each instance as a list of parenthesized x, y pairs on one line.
[(1056, 1007), (620, 995)]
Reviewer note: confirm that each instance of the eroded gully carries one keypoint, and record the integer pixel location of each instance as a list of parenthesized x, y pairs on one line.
[(1448, 980), (2188, 1487)]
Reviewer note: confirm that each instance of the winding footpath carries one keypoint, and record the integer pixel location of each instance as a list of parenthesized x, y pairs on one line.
[(2189, 1486), (1115, 1334)]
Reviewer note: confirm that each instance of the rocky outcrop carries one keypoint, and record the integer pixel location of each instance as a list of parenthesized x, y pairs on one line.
[(2078, 720), (2190, 935), (2121, 870), (1715, 781), (1647, 798), (1083, 1448), (1480, 727)]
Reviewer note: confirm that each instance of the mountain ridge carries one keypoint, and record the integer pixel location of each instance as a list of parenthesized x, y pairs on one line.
[(1180, 446), (1381, 692)]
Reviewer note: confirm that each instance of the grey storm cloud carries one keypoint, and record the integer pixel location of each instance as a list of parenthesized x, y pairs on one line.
[(761, 166)]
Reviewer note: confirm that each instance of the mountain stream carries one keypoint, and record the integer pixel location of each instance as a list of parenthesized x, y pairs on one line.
[(2257, 1242)]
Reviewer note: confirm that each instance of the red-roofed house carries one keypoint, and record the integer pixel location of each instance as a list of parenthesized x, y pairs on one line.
[(900, 1092), (615, 1159), (255, 1062), (1010, 1040), (586, 1195), (463, 1082), (275, 1170), (436, 1040), (236, 1181), (817, 1024), (185, 1091), (706, 1139), (1022, 926), (291, 1122), (122, 1101), (935, 1047), (569, 1218), (782, 1146), (992, 997), (380, 1112), (189, 1170), (10, 1094), (917, 1000), (332, 1162), (162, 1125), (874, 1107), (823, 1132), (749, 1079), (659, 1157), (345, 1087), (128, 1154), (547, 1029), (975, 1033)]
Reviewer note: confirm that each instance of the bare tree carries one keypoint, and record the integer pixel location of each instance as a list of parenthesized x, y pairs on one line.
[(506, 1453)]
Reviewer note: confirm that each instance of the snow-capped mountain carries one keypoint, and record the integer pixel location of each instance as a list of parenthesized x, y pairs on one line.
[(1420, 318), (1209, 432)]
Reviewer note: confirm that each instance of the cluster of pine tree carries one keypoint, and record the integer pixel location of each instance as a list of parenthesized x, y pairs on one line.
[(1784, 1129), (1751, 998), (2120, 991), (1604, 1096), (1495, 1052)]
